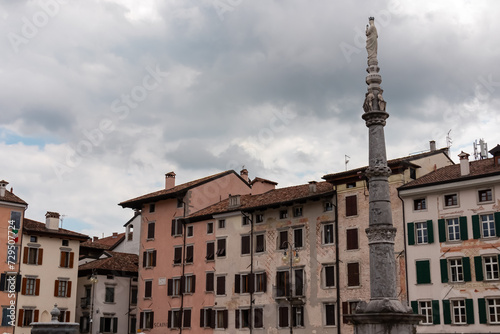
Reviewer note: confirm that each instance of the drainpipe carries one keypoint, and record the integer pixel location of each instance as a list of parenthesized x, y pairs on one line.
[(129, 308), (404, 244), (337, 262)]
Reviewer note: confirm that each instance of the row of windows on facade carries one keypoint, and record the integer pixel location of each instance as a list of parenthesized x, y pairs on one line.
[(28, 315), (107, 324), (458, 311), (452, 200), (458, 269), (484, 226), (30, 285), (327, 237), (34, 256), (243, 318), (256, 282)]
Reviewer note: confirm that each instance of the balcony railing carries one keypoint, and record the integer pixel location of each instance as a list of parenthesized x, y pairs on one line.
[(85, 302), (283, 291)]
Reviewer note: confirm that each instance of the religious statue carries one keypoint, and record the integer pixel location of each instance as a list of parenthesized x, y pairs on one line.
[(381, 102), (368, 105), (371, 39)]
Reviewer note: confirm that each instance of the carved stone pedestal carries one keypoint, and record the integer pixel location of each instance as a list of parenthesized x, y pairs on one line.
[(385, 323)]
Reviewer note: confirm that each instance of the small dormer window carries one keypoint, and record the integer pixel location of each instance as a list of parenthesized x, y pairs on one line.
[(234, 200), (33, 238), (351, 185), (180, 203), (152, 208), (65, 242), (413, 173)]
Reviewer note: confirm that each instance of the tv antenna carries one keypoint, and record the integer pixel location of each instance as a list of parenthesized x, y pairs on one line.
[(448, 140), (346, 157)]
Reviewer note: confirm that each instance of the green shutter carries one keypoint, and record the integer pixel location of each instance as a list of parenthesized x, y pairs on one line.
[(464, 235), (476, 228), (478, 266), (414, 306), (411, 234), (446, 312), (481, 303), (430, 232), (497, 223), (466, 266), (442, 230), (435, 312), (444, 270), (469, 311), (423, 272)]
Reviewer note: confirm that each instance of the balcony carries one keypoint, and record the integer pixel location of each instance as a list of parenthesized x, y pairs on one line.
[(85, 302), (283, 292)]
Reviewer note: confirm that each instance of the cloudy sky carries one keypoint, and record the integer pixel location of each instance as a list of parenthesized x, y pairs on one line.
[(100, 98)]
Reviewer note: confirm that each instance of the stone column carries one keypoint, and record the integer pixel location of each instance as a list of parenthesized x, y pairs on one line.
[(384, 313)]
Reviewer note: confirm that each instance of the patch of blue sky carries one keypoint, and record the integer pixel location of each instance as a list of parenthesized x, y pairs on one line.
[(10, 138)]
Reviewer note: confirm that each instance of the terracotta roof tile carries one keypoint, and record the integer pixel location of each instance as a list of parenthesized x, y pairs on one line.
[(105, 243), (479, 168), (34, 227), (117, 262), (10, 197)]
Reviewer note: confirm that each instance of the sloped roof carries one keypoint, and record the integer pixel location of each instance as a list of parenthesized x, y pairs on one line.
[(116, 261), (272, 198), (10, 197), (447, 174), (174, 192), (38, 228), (108, 243)]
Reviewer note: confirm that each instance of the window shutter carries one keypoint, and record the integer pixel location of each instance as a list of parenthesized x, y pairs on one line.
[(101, 324), (169, 319), (444, 271), (183, 284), (193, 283), (442, 230), (414, 306), (423, 272), (446, 312), (209, 284), (351, 206), (35, 315), (20, 318), (202, 318), (212, 318), (464, 235), (478, 266), (469, 311), (297, 237), (115, 325), (330, 276), (62, 260), (151, 230), (173, 229), (187, 319), (144, 259), (56, 287), (225, 314), (2, 282), (476, 228), (170, 287), (245, 244), (237, 318), (25, 255), (466, 265), (68, 316), (483, 317), (236, 283), (435, 312), (258, 318), (265, 281), (154, 258), (37, 287), (345, 311), (283, 317), (152, 319), (352, 238), (430, 232), (179, 226), (18, 282), (71, 259), (40, 256), (141, 320), (251, 283), (497, 223), (68, 289), (411, 234), (23, 288)]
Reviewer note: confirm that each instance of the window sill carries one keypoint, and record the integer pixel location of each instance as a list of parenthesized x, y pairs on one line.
[(109, 303)]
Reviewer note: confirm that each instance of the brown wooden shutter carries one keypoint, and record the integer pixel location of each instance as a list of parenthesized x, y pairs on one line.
[(25, 255), (35, 315), (236, 283), (169, 319), (23, 287), (353, 274), (210, 250), (56, 287), (283, 240), (187, 319), (71, 259), (258, 318), (352, 238), (151, 230), (20, 318), (193, 284), (221, 285), (68, 289), (154, 258), (226, 316), (245, 244), (173, 227), (144, 258), (179, 227), (189, 254), (202, 318), (62, 260), (170, 287), (209, 284), (67, 316), (40, 256), (141, 320), (351, 206), (237, 318), (37, 287), (345, 311)]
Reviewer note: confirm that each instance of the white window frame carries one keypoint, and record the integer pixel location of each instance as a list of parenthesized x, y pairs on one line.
[(491, 267), (283, 214), (323, 235), (210, 224), (485, 201), (456, 270), (425, 309), (445, 204), (453, 223), (176, 286), (298, 211), (487, 221), (493, 309), (458, 309), (421, 200), (421, 233), (221, 223), (188, 283), (335, 320), (189, 231)]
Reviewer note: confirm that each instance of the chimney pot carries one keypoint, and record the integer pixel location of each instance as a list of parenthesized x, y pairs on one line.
[(52, 220), (95, 239), (244, 174), (432, 145), (3, 184), (312, 186), (169, 180), (115, 234), (464, 163)]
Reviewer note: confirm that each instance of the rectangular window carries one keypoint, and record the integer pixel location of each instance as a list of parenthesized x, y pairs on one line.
[(210, 251), (178, 255), (222, 223), (151, 208), (149, 258), (329, 309), (353, 274), (282, 284), (109, 294), (189, 231), (351, 185), (31, 286), (328, 206), (283, 316), (221, 285), (425, 309), (259, 218), (258, 317), (176, 227), (458, 311), (209, 282), (351, 206), (419, 204), (245, 221), (298, 282), (485, 195), (174, 287), (260, 243), (242, 318), (210, 227), (297, 211), (148, 288), (453, 229), (28, 316), (491, 267), (329, 276), (245, 283), (221, 319), (298, 316), (283, 214), (450, 200), (493, 310), (283, 239), (62, 288), (151, 230), (352, 239), (298, 237), (221, 247), (133, 295), (16, 217), (189, 253), (456, 270), (421, 233), (146, 320), (189, 283), (260, 282), (245, 244), (84, 324), (180, 204), (175, 318), (487, 226), (32, 255), (66, 259), (328, 234)]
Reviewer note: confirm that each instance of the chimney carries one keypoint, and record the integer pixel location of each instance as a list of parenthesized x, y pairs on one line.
[(95, 239), (464, 163), (3, 184), (432, 144), (312, 186), (169, 180), (244, 174), (52, 220), (115, 234)]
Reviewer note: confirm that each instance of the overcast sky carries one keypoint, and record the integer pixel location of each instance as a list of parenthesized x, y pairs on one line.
[(101, 98)]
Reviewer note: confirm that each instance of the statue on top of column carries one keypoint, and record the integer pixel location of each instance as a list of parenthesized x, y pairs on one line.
[(371, 39)]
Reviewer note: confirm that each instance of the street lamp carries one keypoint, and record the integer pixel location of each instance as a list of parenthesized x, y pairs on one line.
[(291, 256), (93, 281)]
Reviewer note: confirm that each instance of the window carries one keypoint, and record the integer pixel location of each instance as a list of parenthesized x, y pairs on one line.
[(30, 286), (453, 229), (328, 276), (259, 218), (260, 243), (493, 310), (491, 267), (146, 320), (283, 239), (174, 287), (423, 270), (425, 309), (419, 204), (353, 274), (413, 173), (245, 244), (64, 316), (190, 284), (351, 185), (283, 317), (351, 206), (176, 227), (242, 283), (109, 294), (178, 255), (328, 206), (487, 226), (210, 251), (221, 285), (327, 234), (458, 311), (283, 283), (209, 282), (66, 259), (283, 214), (210, 227), (180, 204), (151, 208), (485, 195), (65, 243), (206, 318), (27, 316), (190, 230), (221, 247), (10, 282), (133, 324), (421, 233), (108, 324), (151, 230), (174, 319), (456, 270), (450, 200), (84, 324), (148, 288), (16, 217), (222, 223), (33, 255), (352, 239), (329, 309), (242, 318), (221, 317), (297, 316), (62, 288), (297, 211), (258, 317), (245, 221), (349, 307), (260, 282), (189, 253), (33, 238), (149, 258), (133, 295), (298, 238)]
